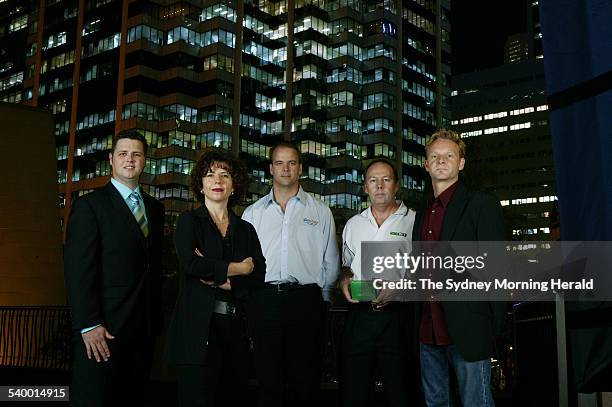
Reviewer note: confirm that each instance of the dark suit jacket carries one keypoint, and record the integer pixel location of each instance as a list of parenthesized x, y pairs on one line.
[(470, 216), (189, 327), (112, 272)]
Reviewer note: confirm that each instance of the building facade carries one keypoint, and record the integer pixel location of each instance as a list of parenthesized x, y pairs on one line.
[(347, 80), (516, 48), (502, 115), (534, 30)]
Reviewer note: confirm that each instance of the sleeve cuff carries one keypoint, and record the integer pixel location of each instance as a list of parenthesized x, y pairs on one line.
[(220, 273), (326, 292), (91, 328)]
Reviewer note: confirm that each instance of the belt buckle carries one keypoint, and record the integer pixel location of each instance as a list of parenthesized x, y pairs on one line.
[(230, 308), (279, 288), (375, 307)]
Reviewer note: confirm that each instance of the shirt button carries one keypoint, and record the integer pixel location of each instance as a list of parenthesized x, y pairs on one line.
[(430, 232), (433, 211)]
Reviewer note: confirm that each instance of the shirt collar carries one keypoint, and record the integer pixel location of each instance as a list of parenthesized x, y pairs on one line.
[(301, 196), (124, 190), (401, 210), (445, 196)]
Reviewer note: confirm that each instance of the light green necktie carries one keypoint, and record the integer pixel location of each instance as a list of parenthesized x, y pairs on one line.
[(137, 207)]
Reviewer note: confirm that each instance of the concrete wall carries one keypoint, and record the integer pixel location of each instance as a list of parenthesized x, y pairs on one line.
[(31, 267)]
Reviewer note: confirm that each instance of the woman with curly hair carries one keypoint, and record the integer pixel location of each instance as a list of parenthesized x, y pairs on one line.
[(220, 263)]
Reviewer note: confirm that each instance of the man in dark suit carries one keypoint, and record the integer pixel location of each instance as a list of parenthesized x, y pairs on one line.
[(112, 266), (460, 334)]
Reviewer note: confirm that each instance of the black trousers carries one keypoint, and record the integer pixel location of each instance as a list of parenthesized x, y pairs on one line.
[(223, 380), (288, 345), (371, 340), (120, 381)]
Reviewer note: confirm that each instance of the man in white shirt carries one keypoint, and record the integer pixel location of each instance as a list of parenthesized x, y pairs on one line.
[(298, 238), (375, 335)]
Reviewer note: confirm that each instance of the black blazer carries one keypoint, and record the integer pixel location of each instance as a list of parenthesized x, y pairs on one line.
[(112, 272), (470, 216), (189, 327)]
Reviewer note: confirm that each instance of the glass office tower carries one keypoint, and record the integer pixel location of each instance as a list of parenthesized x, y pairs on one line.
[(346, 80)]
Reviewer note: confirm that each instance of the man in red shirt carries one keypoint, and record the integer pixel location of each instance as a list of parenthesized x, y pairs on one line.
[(459, 334)]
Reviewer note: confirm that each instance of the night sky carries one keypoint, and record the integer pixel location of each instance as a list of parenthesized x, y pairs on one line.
[(479, 30)]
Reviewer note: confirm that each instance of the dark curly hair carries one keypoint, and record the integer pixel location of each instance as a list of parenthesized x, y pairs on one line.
[(219, 157)]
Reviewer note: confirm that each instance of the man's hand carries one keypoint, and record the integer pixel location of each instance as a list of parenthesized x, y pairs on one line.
[(345, 286), (384, 297), (95, 343)]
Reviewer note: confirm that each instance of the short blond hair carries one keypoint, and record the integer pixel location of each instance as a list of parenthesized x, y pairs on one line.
[(444, 134)]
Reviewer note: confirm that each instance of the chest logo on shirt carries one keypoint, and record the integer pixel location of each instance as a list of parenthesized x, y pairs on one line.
[(402, 234), (311, 222)]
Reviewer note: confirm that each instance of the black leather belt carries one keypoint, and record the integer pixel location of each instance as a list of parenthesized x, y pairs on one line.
[(369, 305), (285, 287), (224, 308)]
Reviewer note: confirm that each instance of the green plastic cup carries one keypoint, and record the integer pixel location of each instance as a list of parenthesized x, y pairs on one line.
[(363, 290)]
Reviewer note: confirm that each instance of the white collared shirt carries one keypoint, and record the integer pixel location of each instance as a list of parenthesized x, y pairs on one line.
[(300, 244), (125, 192), (363, 227)]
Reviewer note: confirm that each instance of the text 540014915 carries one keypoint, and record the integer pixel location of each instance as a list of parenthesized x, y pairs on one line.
[(34, 393)]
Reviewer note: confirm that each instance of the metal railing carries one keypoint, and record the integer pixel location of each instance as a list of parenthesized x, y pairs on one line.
[(35, 337), (38, 337)]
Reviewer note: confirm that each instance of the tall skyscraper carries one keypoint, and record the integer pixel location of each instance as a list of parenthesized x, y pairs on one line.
[(347, 80), (516, 48), (534, 30), (502, 114)]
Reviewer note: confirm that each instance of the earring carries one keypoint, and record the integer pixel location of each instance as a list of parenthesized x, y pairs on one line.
[(232, 193), (202, 191)]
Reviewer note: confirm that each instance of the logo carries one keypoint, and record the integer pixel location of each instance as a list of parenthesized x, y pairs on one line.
[(311, 222), (402, 234)]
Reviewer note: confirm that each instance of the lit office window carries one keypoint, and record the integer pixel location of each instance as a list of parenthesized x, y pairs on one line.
[(473, 133), (520, 126), (522, 111), (470, 119), (492, 130), (497, 115)]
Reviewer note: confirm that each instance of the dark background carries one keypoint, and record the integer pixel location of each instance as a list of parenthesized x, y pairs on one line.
[(479, 29)]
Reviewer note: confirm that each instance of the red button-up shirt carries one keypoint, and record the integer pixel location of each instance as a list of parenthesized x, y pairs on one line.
[(433, 330)]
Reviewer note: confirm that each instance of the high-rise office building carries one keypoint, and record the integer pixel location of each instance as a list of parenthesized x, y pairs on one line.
[(503, 116), (516, 48), (534, 30), (347, 80)]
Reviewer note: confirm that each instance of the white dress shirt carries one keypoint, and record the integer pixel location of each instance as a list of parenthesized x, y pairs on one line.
[(299, 244)]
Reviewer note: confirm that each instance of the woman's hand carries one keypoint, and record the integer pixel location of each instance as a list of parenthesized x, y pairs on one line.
[(227, 286), (248, 266), (243, 268)]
